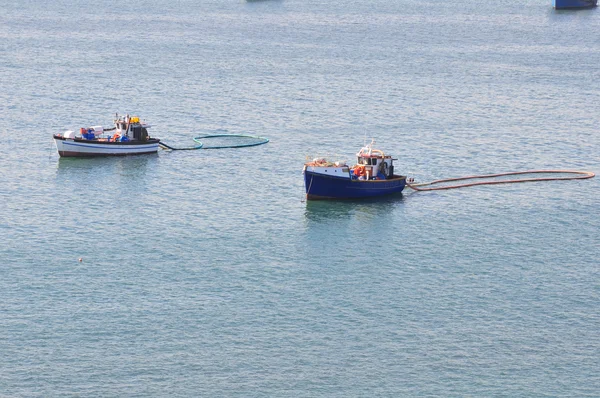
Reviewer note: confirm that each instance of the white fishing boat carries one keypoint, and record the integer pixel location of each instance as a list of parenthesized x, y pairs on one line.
[(129, 136)]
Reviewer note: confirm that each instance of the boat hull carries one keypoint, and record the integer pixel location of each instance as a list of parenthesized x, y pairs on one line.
[(573, 4), (68, 147), (323, 187)]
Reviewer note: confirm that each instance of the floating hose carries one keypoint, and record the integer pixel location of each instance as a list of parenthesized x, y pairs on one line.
[(191, 148), (261, 141), (580, 175)]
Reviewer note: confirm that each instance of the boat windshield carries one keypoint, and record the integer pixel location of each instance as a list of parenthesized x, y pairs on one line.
[(367, 161)]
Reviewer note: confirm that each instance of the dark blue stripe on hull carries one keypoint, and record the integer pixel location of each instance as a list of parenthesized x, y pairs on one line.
[(319, 186), (572, 4)]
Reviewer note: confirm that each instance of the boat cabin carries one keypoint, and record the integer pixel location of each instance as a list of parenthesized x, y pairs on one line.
[(130, 128), (373, 164)]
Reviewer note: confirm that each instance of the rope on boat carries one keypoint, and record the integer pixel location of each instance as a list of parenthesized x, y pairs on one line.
[(579, 175), (261, 141), (310, 185)]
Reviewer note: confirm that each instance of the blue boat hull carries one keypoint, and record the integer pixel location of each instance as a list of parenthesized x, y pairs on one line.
[(573, 4), (319, 186)]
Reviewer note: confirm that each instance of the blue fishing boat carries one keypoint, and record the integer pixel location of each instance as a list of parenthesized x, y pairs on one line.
[(573, 4), (372, 176)]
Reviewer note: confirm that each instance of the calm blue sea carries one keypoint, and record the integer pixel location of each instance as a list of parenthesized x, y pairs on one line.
[(206, 274)]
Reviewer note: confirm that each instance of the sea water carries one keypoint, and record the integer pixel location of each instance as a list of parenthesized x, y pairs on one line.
[(206, 273)]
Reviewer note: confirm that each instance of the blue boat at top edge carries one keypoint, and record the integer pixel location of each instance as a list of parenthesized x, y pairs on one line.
[(573, 4), (372, 176)]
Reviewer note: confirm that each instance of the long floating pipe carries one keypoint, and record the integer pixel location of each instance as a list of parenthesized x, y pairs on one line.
[(581, 175)]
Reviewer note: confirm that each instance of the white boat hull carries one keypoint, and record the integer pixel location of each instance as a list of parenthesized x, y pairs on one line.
[(68, 147)]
